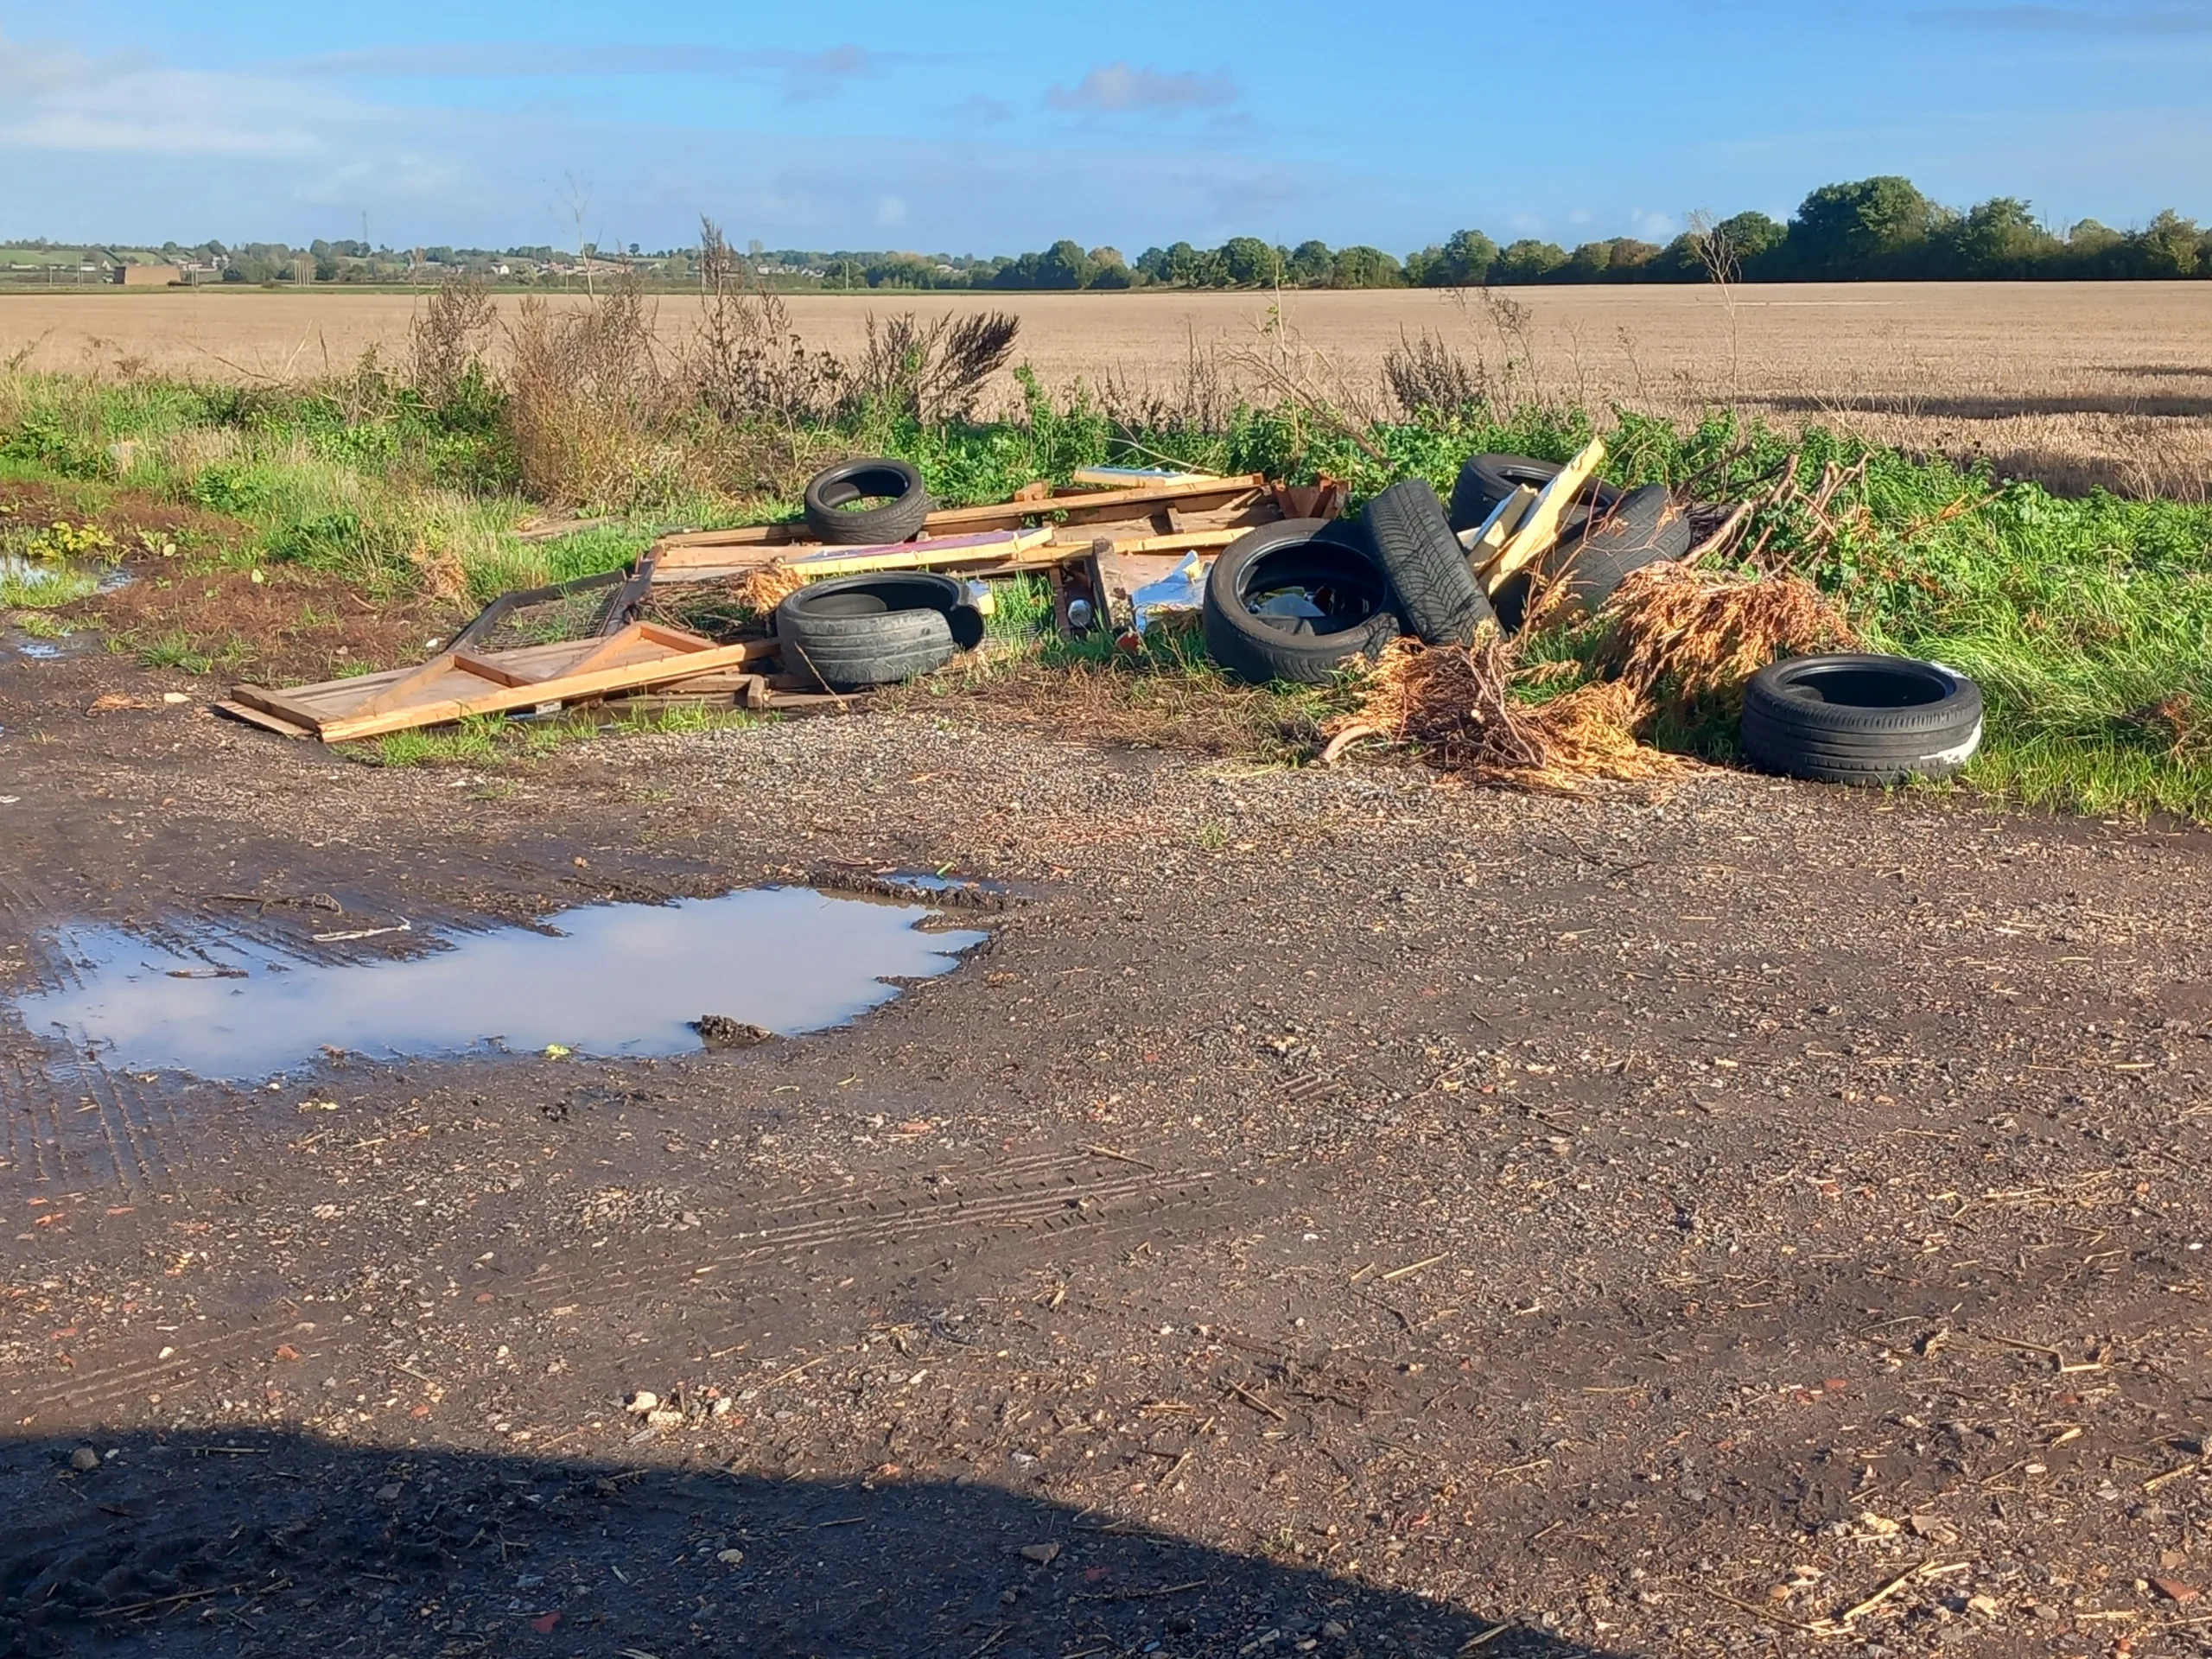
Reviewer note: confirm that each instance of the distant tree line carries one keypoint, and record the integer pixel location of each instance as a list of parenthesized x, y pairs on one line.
[(1879, 228)]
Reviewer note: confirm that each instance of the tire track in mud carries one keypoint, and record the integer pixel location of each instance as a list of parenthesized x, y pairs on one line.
[(1040, 1196), (1041, 1200)]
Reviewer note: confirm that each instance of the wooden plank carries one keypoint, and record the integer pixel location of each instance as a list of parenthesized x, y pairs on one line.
[(564, 688), (756, 651), (1540, 528), (460, 662), (263, 718), (781, 535), (407, 684), (277, 704), (618, 647), (920, 555), (710, 563), (1486, 542), (1194, 541), (1124, 477)]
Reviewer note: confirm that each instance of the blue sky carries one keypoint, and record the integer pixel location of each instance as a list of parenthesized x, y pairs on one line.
[(1000, 126)]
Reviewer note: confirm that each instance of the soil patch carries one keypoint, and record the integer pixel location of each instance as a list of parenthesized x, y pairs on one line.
[(288, 627)]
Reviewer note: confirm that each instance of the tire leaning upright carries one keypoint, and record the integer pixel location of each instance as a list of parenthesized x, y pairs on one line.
[(1297, 600), (1436, 591)]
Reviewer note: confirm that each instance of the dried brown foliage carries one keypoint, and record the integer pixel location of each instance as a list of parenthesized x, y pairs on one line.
[(746, 362), (1458, 704), (1427, 374), (448, 337), (1693, 637), (934, 370), (592, 406), (1199, 401), (1680, 641)]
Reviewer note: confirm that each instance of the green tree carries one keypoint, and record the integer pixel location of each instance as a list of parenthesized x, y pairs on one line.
[(1528, 261), (1064, 264), (2168, 246), (1251, 262), (1868, 228), (1310, 264), (1464, 261), (1107, 268), (1362, 267), (1750, 236), (1999, 237)]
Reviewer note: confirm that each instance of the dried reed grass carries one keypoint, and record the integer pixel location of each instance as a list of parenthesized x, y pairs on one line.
[(1458, 704), (1690, 638), (1679, 642)]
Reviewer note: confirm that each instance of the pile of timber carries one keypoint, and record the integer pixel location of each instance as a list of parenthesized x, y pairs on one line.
[(1097, 541)]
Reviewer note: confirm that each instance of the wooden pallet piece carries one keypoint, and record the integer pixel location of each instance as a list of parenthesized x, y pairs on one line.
[(497, 683), (1539, 529), (1085, 506)]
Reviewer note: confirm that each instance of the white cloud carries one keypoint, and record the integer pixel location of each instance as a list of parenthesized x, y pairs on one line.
[(805, 75), (1115, 88), (1652, 227)]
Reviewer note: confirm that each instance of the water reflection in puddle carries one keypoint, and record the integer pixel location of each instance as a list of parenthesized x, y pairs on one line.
[(614, 980)]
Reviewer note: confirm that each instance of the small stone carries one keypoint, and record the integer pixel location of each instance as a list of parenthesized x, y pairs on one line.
[(2175, 1590), (1985, 1605), (730, 1557), (388, 1494), (84, 1459), (1334, 1631), (664, 1419), (174, 697), (1043, 1554), (643, 1401)]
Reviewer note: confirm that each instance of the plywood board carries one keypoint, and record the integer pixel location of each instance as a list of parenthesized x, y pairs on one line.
[(457, 685)]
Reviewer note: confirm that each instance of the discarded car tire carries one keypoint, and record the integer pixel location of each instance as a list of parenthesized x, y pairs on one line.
[(1485, 480), (1436, 592), (1641, 528), (830, 492), (856, 632), (1297, 600), (1850, 718)]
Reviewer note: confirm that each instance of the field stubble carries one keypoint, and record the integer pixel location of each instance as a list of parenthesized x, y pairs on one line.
[(2074, 384)]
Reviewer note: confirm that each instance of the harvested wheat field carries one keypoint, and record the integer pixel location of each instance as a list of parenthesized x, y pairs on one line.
[(2076, 383)]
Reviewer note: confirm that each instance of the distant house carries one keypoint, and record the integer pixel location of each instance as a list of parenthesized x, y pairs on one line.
[(148, 276)]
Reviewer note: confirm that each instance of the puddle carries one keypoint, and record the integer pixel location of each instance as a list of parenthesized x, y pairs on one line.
[(611, 980), (37, 585)]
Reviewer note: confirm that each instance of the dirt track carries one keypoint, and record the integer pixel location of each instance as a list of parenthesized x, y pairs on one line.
[(1330, 1205)]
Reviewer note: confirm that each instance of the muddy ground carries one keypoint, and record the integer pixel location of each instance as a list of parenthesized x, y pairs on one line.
[(1332, 1214)]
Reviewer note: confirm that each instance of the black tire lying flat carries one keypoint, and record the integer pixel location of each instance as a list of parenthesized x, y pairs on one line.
[(856, 632), (1327, 561), (1436, 592), (1850, 718), (1643, 527), (1485, 480), (830, 493)]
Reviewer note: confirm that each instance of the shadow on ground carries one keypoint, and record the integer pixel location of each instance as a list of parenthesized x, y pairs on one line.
[(260, 1544)]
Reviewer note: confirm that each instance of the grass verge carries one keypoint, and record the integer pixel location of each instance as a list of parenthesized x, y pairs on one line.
[(313, 532)]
